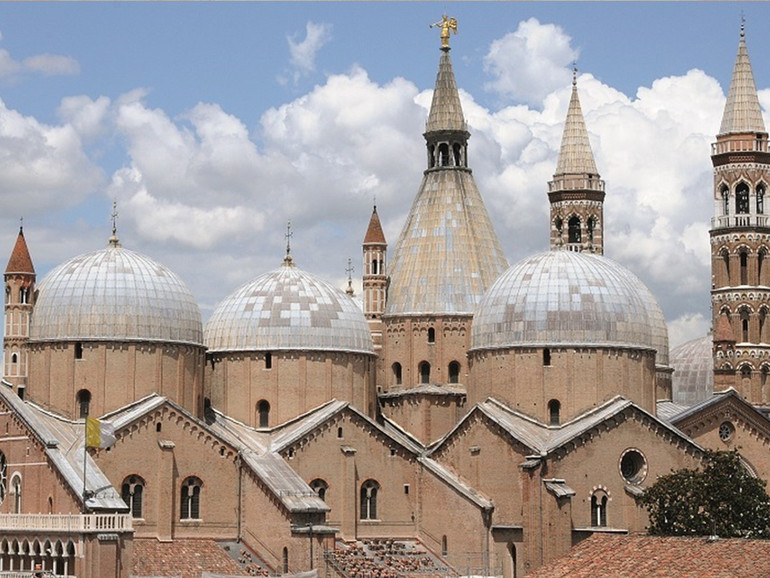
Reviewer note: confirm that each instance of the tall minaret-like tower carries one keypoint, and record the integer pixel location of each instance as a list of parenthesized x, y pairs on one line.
[(740, 240), (375, 278), (19, 300), (576, 192)]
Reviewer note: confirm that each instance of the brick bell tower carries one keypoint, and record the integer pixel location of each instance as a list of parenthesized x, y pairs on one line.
[(19, 301), (740, 241)]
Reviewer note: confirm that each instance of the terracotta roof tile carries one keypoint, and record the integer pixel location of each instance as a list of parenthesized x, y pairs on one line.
[(185, 557), (654, 556), (20, 261), (374, 234)]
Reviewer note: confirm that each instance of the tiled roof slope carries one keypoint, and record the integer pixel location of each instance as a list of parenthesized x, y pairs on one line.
[(664, 557), (575, 156), (742, 112), (20, 261), (374, 234), (446, 112), (187, 558)]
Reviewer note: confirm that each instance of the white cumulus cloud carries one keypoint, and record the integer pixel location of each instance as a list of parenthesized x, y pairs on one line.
[(303, 52)]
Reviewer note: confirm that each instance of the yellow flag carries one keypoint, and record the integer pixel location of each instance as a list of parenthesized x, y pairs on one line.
[(99, 434)]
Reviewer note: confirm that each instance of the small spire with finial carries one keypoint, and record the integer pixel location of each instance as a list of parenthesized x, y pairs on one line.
[(574, 73), (446, 24), (287, 260), (743, 26), (349, 271), (114, 241)]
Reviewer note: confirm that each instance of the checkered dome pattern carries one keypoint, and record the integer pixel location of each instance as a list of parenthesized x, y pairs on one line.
[(568, 298), (288, 309)]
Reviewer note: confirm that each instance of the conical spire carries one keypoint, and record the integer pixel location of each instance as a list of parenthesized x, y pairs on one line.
[(446, 112), (374, 234), (575, 156), (742, 112), (20, 261)]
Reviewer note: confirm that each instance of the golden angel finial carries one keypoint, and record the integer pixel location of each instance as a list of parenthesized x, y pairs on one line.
[(446, 24)]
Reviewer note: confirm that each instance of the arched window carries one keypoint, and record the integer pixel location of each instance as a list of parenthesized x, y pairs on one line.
[(131, 492), (444, 546), (746, 373), (424, 369), (369, 490), (457, 150), (558, 224), (16, 491), (546, 356), (762, 319), (761, 255), (443, 155), (744, 268), (726, 260), (760, 199), (454, 372), (431, 335), (744, 325), (84, 402), (742, 199), (285, 560), (574, 229), (268, 360), (431, 156), (7, 295), (263, 413), (554, 407), (319, 486), (725, 200), (14, 358), (397, 373), (591, 228), (599, 509), (191, 499)]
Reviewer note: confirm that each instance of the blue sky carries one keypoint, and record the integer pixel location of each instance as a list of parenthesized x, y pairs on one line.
[(212, 124)]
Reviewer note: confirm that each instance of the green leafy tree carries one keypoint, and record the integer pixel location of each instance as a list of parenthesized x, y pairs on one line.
[(721, 499)]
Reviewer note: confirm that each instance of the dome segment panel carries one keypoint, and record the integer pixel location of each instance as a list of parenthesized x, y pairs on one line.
[(693, 364), (115, 295), (568, 298), (291, 310)]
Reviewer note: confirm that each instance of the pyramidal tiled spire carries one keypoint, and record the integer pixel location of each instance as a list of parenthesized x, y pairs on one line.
[(446, 112), (374, 232), (447, 254), (20, 261), (575, 156), (742, 112)]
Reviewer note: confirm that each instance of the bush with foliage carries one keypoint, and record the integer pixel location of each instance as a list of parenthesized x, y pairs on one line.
[(722, 499)]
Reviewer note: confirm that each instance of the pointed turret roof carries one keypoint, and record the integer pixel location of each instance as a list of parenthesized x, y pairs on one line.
[(448, 253), (446, 112), (742, 111), (575, 156), (374, 234), (20, 261)]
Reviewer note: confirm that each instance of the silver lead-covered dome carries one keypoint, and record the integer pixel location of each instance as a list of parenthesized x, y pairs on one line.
[(568, 298), (288, 309), (115, 295), (693, 364)]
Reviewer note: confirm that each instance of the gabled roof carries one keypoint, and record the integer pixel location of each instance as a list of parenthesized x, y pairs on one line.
[(730, 395), (540, 439), (63, 442), (742, 112), (20, 261), (656, 556)]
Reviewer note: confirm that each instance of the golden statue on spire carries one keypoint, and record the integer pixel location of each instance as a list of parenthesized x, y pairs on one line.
[(446, 24)]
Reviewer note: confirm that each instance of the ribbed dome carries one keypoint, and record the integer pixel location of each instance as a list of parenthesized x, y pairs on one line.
[(693, 364), (568, 298), (288, 309), (115, 295)]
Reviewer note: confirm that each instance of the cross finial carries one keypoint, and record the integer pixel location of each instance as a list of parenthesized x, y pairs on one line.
[(574, 73), (114, 216), (743, 25), (349, 270), (287, 260), (21, 224)]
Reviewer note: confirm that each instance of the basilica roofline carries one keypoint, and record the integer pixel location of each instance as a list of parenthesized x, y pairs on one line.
[(567, 345), (90, 339), (285, 349)]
